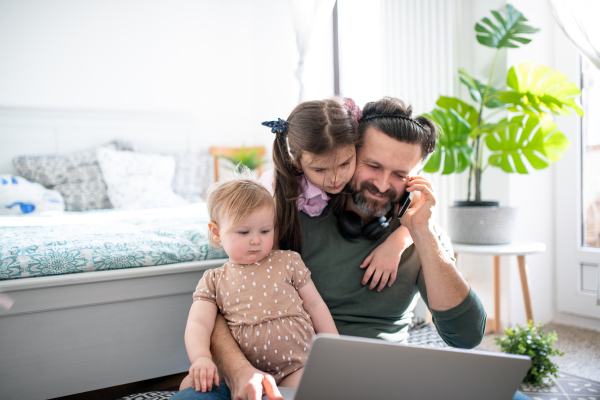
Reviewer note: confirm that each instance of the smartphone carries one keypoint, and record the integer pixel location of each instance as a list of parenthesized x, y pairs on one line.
[(404, 202)]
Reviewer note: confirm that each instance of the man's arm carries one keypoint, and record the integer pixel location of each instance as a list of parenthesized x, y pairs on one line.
[(463, 325), (457, 312), (244, 381), (446, 287)]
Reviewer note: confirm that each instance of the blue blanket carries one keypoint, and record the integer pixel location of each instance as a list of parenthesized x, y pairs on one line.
[(71, 242)]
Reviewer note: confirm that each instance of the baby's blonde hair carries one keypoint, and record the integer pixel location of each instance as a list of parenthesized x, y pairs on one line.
[(236, 198)]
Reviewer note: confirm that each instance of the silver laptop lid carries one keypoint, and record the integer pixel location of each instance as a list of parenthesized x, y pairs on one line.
[(348, 368)]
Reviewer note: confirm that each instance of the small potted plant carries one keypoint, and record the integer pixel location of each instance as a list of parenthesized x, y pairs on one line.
[(533, 342), (251, 157), (474, 137)]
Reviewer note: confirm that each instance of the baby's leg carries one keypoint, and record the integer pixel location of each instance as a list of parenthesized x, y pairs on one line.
[(186, 383), (292, 379)]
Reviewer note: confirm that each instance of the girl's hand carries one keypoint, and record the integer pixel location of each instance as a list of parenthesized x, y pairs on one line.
[(203, 373), (382, 265)]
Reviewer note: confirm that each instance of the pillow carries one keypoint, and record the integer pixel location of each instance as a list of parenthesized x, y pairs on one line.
[(20, 196), (193, 175), (137, 180), (77, 176)]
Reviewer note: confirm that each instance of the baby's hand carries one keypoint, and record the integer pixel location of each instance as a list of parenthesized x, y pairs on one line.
[(203, 373)]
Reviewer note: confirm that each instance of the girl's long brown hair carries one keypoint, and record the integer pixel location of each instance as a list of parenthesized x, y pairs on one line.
[(318, 127)]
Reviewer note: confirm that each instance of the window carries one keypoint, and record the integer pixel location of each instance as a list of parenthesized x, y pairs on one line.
[(590, 88)]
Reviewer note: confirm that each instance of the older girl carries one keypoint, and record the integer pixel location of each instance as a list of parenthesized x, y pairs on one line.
[(315, 156)]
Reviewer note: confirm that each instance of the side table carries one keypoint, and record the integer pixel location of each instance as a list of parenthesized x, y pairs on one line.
[(519, 249)]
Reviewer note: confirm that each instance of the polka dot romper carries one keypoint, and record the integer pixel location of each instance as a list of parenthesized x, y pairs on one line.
[(263, 309)]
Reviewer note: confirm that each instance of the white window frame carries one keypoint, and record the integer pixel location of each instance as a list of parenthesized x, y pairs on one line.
[(573, 304)]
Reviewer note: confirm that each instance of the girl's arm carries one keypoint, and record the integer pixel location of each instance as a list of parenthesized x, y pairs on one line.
[(200, 324), (317, 309), (383, 262)]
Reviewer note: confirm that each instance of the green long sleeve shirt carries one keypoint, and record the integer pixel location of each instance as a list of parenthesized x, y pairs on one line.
[(357, 311)]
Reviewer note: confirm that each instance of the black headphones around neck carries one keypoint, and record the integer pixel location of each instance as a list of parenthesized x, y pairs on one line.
[(351, 226)]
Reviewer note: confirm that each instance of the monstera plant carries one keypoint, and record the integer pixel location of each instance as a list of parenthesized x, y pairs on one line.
[(528, 138), (510, 127)]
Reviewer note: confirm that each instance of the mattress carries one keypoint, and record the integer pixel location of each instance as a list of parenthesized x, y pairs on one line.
[(75, 242)]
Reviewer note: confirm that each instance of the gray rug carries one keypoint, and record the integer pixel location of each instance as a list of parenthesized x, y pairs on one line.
[(149, 396), (568, 387), (424, 335)]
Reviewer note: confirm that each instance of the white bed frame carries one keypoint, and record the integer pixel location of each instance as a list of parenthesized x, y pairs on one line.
[(75, 333)]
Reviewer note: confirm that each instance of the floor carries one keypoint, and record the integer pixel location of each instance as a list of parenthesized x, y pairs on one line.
[(581, 347), (567, 387), (170, 382)]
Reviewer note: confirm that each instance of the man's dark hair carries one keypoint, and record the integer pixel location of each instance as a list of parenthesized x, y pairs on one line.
[(393, 117)]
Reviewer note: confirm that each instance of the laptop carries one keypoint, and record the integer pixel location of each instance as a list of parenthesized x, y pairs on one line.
[(348, 368)]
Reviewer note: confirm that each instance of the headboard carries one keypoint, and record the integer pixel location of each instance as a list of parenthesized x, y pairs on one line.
[(31, 131)]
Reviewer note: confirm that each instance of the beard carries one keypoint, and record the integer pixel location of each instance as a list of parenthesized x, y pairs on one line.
[(369, 205)]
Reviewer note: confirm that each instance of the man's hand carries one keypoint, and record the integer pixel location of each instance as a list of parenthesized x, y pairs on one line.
[(420, 215), (250, 383)]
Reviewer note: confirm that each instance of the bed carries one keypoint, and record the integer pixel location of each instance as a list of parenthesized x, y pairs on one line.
[(80, 309)]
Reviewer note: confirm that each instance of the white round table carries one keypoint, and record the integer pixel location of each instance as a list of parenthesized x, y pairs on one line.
[(519, 249)]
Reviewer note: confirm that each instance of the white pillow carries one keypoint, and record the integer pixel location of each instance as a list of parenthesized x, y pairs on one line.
[(20, 196), (136, 180)]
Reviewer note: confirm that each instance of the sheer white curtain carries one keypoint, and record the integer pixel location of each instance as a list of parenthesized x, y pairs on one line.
[(420, 63), (307, 15), (579, 20)]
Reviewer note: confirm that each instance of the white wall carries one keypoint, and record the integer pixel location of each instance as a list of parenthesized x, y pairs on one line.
[(227, 65), (533, 194)]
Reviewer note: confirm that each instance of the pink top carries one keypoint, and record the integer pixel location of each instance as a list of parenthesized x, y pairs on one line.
[(312, 199)]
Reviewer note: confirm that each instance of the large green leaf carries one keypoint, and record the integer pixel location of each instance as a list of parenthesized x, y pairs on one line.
[(493, 127), (540, 89), (527, 138), (452, 150), (463, 109), (506, 32), (477, 90)]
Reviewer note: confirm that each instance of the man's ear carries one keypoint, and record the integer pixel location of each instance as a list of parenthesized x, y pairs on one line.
[(213, 228)]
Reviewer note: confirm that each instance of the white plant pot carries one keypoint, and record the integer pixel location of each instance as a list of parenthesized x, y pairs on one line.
[(482, 225)]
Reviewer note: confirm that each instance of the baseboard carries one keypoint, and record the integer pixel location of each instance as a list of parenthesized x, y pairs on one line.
[(576, 320)]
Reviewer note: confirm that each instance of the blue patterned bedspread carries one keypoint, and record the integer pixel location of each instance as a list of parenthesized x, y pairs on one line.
[(73, 242)]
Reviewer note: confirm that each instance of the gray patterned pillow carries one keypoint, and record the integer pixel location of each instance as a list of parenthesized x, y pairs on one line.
[(77, 176), (193, 175)]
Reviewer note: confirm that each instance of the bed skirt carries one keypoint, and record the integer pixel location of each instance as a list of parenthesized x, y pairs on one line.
[(75, 333)]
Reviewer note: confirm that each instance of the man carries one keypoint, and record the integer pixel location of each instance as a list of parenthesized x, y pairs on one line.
[(391, 149)]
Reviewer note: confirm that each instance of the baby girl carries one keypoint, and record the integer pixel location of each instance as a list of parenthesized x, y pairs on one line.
[(267, 297)]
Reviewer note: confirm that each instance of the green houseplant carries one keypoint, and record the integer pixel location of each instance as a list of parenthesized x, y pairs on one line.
[(531, 341), (510, 128), (245, 157)]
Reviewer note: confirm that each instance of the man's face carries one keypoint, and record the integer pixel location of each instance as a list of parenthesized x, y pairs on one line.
[(383, 167)]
